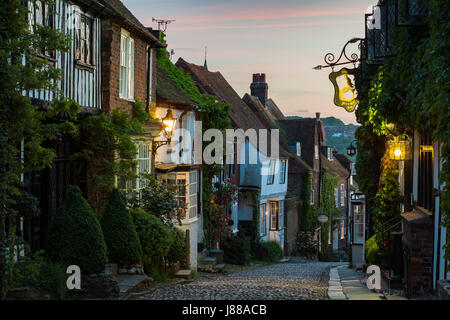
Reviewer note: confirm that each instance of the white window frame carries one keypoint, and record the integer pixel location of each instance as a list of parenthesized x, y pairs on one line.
[(316, 151), (329, 154), (271, 175), (193, 195), (150, 76), (143, 166), (263, 214), (299, 148), (283, 171), (336, 196), (126, 68), (342, 195), (281, 214), (312, 193)]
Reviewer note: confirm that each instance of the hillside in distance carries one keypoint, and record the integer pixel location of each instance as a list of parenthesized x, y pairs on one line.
[(338, 134)]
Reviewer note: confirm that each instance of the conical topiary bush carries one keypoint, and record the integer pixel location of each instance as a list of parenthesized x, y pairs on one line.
[(75, 236), (120, 235)]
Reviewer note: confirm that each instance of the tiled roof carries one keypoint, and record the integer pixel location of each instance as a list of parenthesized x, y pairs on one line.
[(167, 90), (241, 114), (334, 167), (274, 110)]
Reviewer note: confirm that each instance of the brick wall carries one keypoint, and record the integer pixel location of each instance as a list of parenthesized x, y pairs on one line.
[(418, 253), (111, 34)]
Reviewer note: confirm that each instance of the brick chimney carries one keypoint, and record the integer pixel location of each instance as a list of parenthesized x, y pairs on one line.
[(318, 116), (259, 88)]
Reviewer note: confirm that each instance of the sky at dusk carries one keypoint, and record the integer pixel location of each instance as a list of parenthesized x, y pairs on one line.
[(284, 39)]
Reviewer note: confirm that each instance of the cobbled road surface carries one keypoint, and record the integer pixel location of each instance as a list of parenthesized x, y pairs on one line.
[(284, 281)]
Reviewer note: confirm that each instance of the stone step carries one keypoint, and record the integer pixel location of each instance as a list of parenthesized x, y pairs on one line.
[(184, 274), (219, 266)]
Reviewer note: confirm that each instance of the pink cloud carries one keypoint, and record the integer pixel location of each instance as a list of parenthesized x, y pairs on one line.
[(266, 14), (262, 26), (228, 13)]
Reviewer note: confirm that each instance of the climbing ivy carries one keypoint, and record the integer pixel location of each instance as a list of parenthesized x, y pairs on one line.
[(409, 91), (327, 204), (306, 213), (107, 147)]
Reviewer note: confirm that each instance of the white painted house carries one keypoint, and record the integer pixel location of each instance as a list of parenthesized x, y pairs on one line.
[(174, 156)]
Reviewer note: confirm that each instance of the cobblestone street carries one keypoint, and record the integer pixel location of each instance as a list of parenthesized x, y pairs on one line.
[(284, 281)]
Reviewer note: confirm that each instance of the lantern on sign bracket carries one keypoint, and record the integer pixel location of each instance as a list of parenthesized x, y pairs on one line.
[(399, 148), (345, 94)]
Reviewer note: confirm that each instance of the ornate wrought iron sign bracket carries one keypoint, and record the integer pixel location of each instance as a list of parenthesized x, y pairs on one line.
[(346, 58)]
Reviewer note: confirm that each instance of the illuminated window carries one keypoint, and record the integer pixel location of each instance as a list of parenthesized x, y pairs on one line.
[(262, 209), (273, 207)]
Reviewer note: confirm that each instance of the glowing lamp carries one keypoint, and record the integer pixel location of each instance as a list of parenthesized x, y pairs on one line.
[(351, 150), (399, 148), (169, 122)]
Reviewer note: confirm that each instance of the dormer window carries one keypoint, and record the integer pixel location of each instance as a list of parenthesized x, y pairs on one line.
[(330, 153)]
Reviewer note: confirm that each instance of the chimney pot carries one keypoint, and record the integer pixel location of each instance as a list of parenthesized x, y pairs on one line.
[(317, 115)]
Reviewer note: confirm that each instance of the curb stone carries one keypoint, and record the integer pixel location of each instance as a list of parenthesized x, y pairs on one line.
[(335, 291)]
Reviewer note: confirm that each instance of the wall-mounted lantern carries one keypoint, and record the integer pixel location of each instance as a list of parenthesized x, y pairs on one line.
[(399, 148), (169, 123)]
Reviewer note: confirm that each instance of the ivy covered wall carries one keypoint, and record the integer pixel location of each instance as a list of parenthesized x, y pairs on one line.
[(409, 92)]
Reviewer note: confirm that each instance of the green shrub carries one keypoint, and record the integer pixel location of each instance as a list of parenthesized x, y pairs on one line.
[(371, 250), (36, 273), (75, 236), (177, 251), (120, 235), (154, 235), (268, 251), (237, 250)]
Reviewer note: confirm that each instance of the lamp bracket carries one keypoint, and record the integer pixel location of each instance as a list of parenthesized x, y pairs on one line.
[(157, 144)]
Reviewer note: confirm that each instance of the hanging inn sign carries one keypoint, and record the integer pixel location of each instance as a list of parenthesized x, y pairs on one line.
[(345, 94), (344, 89)]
